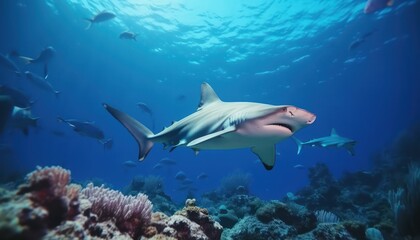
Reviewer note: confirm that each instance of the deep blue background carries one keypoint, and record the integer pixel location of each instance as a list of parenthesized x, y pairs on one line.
[(246, 52)]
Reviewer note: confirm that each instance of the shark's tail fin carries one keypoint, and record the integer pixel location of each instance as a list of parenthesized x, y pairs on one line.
[(90, 23), (141, 133), (299, 144)]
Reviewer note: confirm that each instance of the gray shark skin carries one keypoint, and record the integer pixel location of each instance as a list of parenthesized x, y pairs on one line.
[(223, 125), (334, 140)]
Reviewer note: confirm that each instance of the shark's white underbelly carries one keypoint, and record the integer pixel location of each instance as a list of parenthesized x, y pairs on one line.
[(234, 140)]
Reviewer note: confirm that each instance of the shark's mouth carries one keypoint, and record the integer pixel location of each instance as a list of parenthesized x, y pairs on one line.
[(283, 125)]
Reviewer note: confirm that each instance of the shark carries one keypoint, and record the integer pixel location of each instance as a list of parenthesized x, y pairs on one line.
[(333, 140), (222, 125)]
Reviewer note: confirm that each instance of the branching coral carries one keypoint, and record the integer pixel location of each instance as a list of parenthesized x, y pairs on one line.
[(405, 204), (131, 213)]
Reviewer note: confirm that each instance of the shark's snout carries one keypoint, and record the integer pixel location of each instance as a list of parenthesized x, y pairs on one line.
[(311, 119), (301, 116)]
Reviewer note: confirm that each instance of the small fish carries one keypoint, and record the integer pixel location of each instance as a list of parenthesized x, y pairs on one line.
[(7, 64), (22, 119), (100, 17), (130, 164), (202, 176), (356, 43), (299, 166), (41, 83), (167, 161), (146, 109), (128, 35), (376, 5), (18, 98), (180, 176), (87, 129)]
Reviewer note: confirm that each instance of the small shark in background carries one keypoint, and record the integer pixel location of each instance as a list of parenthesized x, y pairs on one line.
[(87, 129), (223, 125), (100, 17), (376, 5), (334, 140)]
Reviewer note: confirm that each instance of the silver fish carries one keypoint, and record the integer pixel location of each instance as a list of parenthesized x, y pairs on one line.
[(87, 129), (41, 83), (100, 17)]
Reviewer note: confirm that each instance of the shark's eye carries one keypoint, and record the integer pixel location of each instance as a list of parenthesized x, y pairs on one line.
[(283, 109)]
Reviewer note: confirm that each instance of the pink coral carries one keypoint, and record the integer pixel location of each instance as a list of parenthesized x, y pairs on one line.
[(56, 177), (131, 213), (48, 188)]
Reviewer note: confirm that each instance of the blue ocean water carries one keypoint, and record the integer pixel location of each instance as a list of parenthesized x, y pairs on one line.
[(275, 52)]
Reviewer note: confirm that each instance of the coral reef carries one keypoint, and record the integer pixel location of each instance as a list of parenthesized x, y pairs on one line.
[(191, 222), (152, 186), (405, 204), (236, 183), (381, 204), (130, 213), (44, 202), (48, 206)]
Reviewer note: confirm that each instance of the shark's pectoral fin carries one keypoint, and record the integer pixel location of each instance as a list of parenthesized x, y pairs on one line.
[(267, 155), (210, 136)]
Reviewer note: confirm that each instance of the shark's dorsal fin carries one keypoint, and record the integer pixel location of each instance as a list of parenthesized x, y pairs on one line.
[(333, 132), (208, 96), (267, 155)]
